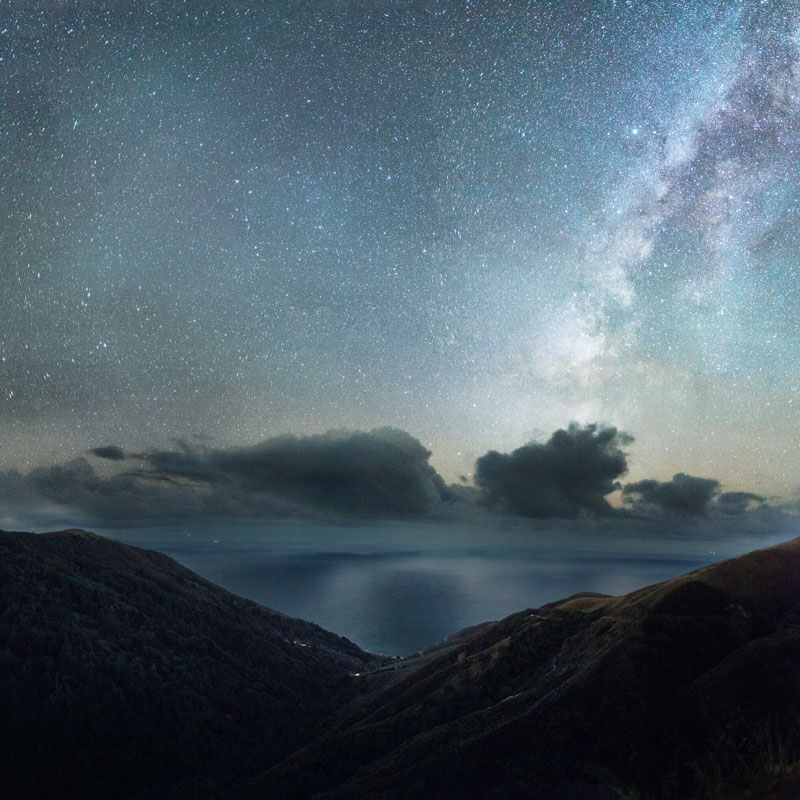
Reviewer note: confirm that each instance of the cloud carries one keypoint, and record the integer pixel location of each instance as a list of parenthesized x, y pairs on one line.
[(738, 503), (568, 475), (684, 494), (75, 488), (110, 452), (384, 472), (381, 473)]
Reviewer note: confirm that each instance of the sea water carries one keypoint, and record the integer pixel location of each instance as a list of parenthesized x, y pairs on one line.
[(396, 588)]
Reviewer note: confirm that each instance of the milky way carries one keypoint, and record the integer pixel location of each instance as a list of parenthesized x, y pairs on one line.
[(475, 221)]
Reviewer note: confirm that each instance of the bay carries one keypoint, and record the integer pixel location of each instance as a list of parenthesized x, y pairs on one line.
[(396, 588)]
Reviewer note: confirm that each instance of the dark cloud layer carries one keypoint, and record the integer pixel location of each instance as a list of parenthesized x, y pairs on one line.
[(74, 489), (568, 475), (110, 452), (381, 473), (738, 503), (684, 494)]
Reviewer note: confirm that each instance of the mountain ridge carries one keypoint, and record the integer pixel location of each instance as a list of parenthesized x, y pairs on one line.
[(124, 673), (534, 699)]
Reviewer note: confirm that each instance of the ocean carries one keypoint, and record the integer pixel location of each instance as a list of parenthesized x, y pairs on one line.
[(396, 588)]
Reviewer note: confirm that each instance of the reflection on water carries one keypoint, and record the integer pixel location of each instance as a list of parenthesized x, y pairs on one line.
[(398, 588)]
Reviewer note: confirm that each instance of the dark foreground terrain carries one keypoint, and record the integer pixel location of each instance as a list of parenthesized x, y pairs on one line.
[(123, 674)]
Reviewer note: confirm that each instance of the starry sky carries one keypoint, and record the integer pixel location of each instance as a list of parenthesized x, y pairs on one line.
[(473, 221)]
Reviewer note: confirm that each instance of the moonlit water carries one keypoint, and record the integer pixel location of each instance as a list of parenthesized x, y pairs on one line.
[(397, 588)]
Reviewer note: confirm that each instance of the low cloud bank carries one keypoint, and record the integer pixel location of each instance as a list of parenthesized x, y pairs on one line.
[(572, 473), (383, 473), (684, 494), (111, 452), (735, 504), (687, 495)]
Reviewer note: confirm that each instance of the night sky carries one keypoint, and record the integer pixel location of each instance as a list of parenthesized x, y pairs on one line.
[(472, 221)]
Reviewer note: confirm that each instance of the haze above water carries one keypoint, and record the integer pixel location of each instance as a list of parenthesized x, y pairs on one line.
[(397, 588)]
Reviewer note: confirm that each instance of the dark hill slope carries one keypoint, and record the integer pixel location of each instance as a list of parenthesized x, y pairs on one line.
[(685, 689), (122, 674)]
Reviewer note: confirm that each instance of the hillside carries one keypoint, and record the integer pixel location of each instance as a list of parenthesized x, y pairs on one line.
[(122, 674), (685, 689)]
